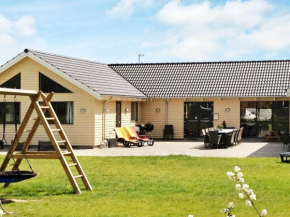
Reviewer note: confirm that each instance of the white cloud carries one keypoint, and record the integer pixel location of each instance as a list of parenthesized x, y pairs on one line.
[(15, 35), (25, 26), (125, 8), (201, 31)]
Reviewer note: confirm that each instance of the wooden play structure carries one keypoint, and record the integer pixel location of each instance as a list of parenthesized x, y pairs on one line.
[(42, 108)]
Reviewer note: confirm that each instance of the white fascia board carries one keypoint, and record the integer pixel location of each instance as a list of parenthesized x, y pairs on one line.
[(64, 75), (13, 61)]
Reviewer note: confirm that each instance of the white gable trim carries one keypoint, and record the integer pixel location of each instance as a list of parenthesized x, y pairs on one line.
[(12, 62), (52, 68)]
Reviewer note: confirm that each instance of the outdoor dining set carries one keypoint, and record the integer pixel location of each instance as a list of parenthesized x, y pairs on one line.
[(221, 138)]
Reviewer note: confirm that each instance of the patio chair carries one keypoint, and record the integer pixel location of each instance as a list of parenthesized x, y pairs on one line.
[(233, 141), (133, 133), (240, 134), (206, 139), (237, 136), (168, 131), (226, 140), (214, 138), (286, 141), (285, 157)]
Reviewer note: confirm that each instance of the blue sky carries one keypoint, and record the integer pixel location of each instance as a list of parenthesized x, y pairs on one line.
[(165, 31)]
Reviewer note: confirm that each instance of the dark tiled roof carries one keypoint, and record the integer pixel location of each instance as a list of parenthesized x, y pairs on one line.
[(209, 79), (97, 76)]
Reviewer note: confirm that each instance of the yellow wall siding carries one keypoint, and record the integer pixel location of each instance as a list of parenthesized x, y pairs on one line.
[(149, 114), (110, 119), (232, 117), (126, 116), (82, 131), (176, 116), (98, 121)]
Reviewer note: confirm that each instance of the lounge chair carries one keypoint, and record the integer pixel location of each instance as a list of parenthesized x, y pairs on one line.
[(128, 140), (131, 130)]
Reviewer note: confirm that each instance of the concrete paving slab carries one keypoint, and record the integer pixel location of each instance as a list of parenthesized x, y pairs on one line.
[(189, 148)]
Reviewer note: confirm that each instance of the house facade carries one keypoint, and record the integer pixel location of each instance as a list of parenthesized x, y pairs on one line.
[(92, 98)]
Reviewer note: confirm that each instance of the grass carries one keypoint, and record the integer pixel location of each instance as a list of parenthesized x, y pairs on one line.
[(152, 186)]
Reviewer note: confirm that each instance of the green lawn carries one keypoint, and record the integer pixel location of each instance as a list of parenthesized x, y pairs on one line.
[(152, 186)]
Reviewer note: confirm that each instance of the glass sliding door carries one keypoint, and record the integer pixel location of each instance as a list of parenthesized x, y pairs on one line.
[(248, 118), (281, 116), (259, 118), (264, 118), (197, 116)]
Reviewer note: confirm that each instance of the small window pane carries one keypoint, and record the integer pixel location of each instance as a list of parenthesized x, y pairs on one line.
[(9, 110)]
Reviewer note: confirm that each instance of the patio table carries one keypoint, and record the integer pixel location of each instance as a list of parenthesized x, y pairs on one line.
[(225, 131)]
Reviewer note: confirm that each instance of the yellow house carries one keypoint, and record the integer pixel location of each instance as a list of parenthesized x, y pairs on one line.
[(86, 95), (92, 98)]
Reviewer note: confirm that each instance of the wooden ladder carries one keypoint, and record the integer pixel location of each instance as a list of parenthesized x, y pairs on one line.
[(41, 118)]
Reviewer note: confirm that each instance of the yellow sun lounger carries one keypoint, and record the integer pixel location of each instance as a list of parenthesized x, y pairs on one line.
[(123, 137), (131, 130)]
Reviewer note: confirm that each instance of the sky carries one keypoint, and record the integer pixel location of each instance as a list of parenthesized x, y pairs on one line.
[(116, 31)]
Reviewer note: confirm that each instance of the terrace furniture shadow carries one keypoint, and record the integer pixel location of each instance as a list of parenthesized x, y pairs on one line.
[(168, 131)]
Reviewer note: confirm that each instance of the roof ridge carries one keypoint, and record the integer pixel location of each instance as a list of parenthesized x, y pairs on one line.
[(204, 62), (64, 56)]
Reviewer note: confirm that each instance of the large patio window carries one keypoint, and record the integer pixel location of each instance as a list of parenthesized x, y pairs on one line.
[(258, 118)]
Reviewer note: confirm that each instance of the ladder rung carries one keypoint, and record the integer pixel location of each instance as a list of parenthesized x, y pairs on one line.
[(55, 130), (70, 165), (61, 141), (66, 153), (34, 119), (49, 119), (27, 130), (44, 107), (79, 176)]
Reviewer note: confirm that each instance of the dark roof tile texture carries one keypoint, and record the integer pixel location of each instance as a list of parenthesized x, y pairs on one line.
[(209, 79), (97, 76)]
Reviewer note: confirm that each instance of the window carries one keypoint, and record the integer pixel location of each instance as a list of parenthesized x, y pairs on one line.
[(10, 108), (134, 111), (258, 118), (13, 82), (64, 112), (48, 85)]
